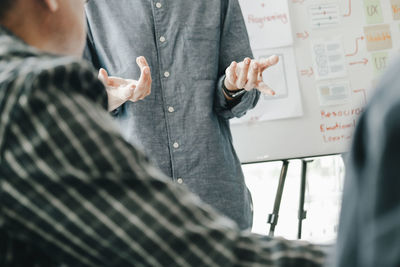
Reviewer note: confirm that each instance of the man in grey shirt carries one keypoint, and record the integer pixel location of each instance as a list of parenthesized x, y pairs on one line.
[(183, 125)]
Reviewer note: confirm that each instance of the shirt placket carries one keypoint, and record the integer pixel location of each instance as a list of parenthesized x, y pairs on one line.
[(167, 83)]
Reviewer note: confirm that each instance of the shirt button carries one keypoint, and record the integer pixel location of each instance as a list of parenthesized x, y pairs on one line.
[(179, 180), (166, 74), (171, 109), (162, 39), (176, 145), (158, 5)]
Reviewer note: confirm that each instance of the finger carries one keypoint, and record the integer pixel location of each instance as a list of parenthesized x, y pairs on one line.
[(271, 61), (142, 62), (252, 76), (103, 76), (230, 76), (143, 85), (241, 81), (149, 80), (265, 89), (146, 89)]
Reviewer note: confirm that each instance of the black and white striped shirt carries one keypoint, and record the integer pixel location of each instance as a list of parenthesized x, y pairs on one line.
[(75, 193)]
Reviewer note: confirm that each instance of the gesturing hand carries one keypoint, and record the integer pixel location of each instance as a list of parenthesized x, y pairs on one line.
[(120, 90), (248, 75)]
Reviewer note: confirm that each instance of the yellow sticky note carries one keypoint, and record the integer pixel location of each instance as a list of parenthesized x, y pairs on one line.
[(378, 37)]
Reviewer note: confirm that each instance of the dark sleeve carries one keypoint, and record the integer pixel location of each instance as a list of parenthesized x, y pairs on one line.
[(234, 46), (76, 190), (90, 53)]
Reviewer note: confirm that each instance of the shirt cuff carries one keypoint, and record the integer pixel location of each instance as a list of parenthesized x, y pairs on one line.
[(115, 112), (229, 109)]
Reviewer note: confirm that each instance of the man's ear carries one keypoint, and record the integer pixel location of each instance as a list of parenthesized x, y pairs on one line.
[(52, 5)]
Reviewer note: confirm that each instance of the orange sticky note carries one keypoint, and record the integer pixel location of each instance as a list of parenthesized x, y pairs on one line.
[(378, 37), (395, 9)]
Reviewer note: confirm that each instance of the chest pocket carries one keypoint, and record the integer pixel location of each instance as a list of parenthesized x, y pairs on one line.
[(201, 52)]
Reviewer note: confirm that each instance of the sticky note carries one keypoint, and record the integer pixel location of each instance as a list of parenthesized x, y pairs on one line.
[(378, 37), (373, 11), (395, 9), (380, 62)]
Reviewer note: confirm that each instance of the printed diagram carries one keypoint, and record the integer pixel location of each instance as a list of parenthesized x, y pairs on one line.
[(324, 15), (276, 78), (329, 59), (337, 93)]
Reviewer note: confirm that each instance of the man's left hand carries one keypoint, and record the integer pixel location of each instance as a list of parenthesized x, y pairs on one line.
[(248, 75)]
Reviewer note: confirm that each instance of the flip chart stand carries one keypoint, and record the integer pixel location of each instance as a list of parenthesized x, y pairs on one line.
[(273, 217), (302, 214)]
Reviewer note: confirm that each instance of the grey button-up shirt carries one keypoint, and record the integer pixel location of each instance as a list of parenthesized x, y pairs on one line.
[(184, 124)]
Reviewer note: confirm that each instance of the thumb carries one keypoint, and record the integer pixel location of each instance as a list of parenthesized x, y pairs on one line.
[(103, 76)]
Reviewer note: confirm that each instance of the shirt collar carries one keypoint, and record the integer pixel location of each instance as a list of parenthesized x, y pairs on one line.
[(12, 44)]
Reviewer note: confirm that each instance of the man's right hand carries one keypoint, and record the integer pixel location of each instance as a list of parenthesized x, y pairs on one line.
[(120, 90)]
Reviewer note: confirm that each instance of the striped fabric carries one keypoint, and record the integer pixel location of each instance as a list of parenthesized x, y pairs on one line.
[(74, 193)]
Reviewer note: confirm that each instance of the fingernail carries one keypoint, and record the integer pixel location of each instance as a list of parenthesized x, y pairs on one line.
[(247, 61)]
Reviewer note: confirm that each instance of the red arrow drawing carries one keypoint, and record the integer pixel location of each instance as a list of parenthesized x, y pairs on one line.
[(356, 52), (364, 61), (364, 94), (308, 72), (303, 35), (348, 14)]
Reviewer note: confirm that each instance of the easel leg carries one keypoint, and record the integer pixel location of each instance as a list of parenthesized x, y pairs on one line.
[(302, 213), (273, 218)]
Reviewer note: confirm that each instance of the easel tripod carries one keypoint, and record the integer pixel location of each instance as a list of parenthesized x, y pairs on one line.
[(302, 214)]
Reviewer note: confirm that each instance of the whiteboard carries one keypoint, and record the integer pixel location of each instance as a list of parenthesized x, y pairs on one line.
[(368, 34)]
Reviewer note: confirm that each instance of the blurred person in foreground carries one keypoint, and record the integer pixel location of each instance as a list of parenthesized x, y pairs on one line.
[(369, 228)]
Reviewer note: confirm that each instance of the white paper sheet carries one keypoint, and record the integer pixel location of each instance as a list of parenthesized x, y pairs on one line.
[(268, 23), (334, 93), (329, 60)]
